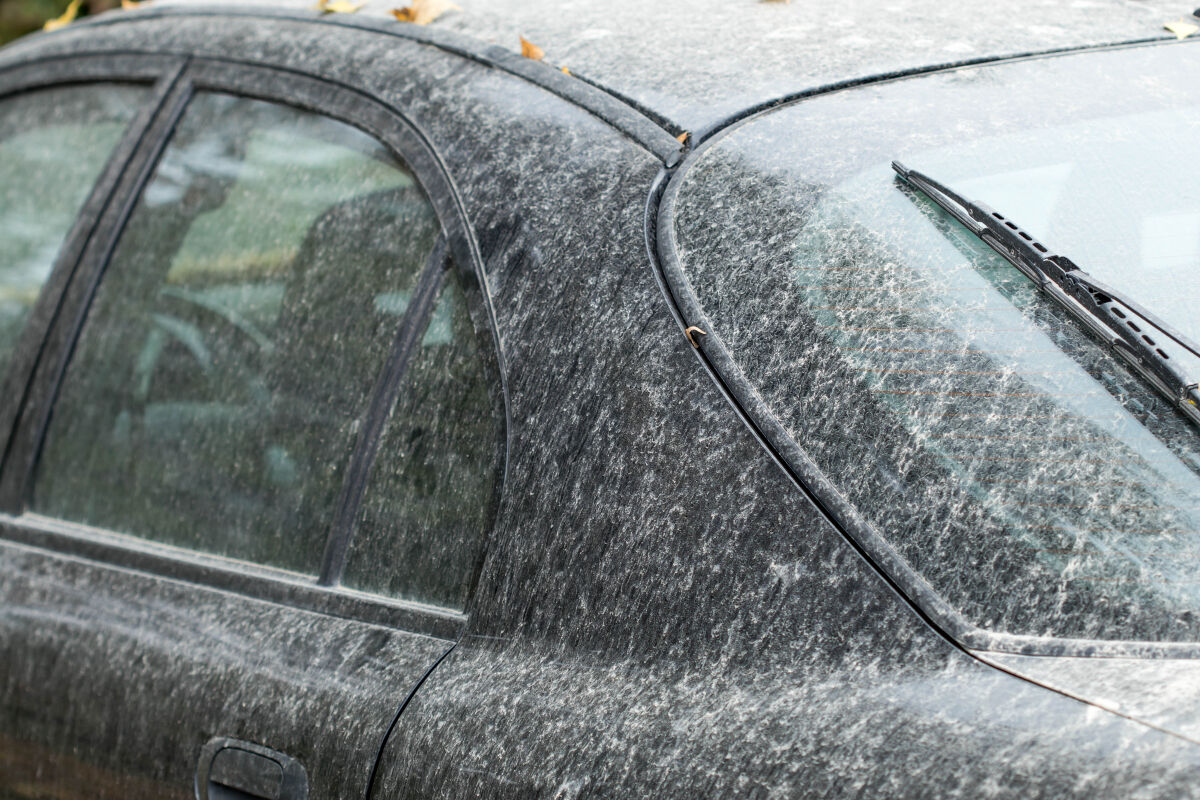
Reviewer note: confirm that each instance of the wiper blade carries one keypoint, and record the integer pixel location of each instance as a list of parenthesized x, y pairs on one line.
[(1127, 327)]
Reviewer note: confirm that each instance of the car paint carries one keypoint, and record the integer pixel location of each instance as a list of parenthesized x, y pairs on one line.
[(662, 609)]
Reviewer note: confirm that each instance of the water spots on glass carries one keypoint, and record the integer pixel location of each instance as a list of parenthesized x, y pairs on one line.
[(234, 343), (1013, 461), (53, 145)]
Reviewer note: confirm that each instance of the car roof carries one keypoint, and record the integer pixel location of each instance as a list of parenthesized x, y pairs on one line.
[(693, 65)]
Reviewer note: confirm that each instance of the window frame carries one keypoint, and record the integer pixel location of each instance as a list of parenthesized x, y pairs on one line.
[(314, 94), (156, 74)]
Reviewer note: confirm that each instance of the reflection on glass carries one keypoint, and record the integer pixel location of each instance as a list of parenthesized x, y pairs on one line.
[(215, 396), (1031, 479), (53, 145), (430, 490)]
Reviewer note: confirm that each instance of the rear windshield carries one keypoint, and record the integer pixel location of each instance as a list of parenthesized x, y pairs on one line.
[(1015, 465)]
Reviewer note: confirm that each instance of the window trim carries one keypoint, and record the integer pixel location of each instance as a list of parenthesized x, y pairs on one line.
[(640, 124), (392, 129), (157, 74), (122, 551), (384, 395)]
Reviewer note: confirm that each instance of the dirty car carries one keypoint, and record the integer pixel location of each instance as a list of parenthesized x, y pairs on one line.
[(528, 399)]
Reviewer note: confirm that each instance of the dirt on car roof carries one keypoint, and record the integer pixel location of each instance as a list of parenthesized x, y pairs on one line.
[(695, 63)]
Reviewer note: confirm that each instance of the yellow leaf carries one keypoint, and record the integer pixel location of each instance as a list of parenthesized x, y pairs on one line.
[(566, 71), (339, 6), (423, 12), (1182, 28), (531, 50), (66, 19), (130, 5), (683, 137)]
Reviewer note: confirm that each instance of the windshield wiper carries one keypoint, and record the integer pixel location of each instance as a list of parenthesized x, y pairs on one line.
[(1117, 320)]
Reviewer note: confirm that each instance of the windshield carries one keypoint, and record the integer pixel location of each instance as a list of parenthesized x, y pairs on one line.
[(1018, 467)]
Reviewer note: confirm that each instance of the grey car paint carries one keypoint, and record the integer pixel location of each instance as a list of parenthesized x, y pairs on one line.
[(693, 64), (662, 610)]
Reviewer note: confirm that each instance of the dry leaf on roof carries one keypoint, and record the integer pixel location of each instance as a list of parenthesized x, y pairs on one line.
[(130, 5), (683, 137), (66, 19), (339, 6), (1182, 28), (423, 12), (531, 50), (566, 71)]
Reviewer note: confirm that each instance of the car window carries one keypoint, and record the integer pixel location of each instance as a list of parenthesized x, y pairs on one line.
[(430, 489), (1012, 460), (53, 144), (229, 357)]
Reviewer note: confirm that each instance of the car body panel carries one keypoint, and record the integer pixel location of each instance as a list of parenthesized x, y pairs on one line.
[(1163, 692), (114, 680), (717, 636), (756, 53), (540, 723), (1163, 700)]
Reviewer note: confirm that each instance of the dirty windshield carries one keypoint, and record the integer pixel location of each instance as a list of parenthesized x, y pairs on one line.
[(1017, 466)]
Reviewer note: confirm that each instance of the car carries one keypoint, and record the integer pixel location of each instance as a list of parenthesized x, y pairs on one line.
[(575, 401)]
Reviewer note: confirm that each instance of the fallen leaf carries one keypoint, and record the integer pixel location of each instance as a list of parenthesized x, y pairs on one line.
[(423, 12), (1182, 28), (339, 6), (66, 19), (683, 137), (566, 71), (130, 5), (690, 334), (531, 50)]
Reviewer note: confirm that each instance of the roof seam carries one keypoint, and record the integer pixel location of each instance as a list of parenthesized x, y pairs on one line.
[(649, 131)]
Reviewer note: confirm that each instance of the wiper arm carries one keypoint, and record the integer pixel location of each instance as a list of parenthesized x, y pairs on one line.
[(1115, 319)]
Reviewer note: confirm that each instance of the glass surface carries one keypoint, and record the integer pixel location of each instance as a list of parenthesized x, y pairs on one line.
[(53, 145), (1031, 479), (430, 490), (229, 356)]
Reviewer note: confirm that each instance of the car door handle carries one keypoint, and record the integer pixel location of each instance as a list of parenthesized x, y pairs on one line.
[(234, 770)]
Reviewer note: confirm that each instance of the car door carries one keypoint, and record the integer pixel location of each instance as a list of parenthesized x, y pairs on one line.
[(256, 442)]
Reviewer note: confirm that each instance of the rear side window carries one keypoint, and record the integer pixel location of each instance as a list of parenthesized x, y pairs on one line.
[(437, 458), (53, 145), (227, 368)]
